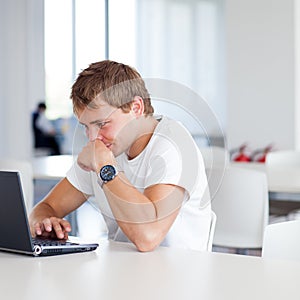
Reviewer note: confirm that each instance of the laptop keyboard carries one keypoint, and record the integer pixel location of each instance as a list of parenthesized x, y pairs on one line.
[(45, 242)]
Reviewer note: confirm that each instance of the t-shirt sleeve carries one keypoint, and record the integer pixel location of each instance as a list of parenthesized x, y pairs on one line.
[(176, 160), (161, 167), (80, 179)]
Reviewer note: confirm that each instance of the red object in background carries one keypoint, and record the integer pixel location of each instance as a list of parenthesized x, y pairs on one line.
[(260, 155), (241, 155), (262, 159)]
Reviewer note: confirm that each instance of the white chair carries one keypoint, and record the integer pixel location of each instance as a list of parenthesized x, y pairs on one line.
[(211, 231), (283, 170), (242, 208), (281, 241), (26, 175), (214, 158)]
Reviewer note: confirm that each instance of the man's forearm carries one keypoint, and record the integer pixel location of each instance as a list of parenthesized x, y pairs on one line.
[(41, 211), (127, 203), (144, 218)]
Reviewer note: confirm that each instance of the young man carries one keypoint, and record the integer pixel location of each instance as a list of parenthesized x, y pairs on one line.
[(145, 174)]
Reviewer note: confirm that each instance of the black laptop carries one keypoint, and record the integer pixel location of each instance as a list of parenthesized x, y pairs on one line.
[(14, 229)]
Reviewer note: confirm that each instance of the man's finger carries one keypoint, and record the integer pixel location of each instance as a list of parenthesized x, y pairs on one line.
[(66, 225), (37, 229), (47, 225), (57, 228)]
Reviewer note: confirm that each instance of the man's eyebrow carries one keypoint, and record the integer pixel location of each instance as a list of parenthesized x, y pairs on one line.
[(97, 121), (93, 122)]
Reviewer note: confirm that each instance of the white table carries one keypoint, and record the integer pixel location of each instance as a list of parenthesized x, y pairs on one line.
[(118, 271), (52, 167)]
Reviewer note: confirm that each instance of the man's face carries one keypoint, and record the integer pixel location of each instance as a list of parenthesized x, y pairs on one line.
[(110, 125)]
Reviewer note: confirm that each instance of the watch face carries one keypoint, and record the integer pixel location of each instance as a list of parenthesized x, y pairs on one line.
[(107, 173)]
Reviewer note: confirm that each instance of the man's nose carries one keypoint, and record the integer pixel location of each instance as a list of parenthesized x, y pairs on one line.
[(95, 133)]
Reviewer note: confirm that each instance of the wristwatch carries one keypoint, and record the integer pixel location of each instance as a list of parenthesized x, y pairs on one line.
[(107, 173)]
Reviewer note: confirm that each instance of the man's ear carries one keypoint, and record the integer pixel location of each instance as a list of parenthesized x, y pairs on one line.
[(137, 106)]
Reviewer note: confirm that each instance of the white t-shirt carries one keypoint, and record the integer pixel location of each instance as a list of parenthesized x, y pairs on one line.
[(171, 157)]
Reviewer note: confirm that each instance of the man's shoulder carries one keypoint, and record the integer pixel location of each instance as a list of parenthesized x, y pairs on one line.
[(174, 131)]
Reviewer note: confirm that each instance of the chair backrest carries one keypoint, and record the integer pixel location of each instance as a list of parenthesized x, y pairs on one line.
[(283, 170), (281, 241), (283, 158), (26, 175), (242, 208), (214, 157), (211, 231)]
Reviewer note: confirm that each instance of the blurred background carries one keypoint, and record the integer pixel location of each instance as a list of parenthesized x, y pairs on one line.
[(242, 57)]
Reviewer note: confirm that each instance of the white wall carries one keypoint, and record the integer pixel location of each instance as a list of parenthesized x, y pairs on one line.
[(297, 72), (36, 53), (199, 64), (260, 73), (262, 70), (21, 73)]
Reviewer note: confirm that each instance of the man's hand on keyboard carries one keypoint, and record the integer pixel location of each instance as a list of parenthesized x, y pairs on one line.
[(51, 228)]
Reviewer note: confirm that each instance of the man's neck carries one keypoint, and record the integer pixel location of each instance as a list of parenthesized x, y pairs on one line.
[(148, 126)]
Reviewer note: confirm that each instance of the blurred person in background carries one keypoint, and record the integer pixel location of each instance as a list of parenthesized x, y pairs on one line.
[(44, 131)]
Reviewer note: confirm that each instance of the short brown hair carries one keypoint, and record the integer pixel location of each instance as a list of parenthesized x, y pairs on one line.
[(115, 83)]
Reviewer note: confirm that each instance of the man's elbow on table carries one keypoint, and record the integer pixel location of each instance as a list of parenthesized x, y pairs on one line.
[(145, 246), (148, 241)]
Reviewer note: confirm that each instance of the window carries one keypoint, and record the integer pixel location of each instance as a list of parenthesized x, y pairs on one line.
[(74, 37), (58, 56), (180, 40)]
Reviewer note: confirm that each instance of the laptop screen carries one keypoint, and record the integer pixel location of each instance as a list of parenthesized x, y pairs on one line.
[(14, 230), (14, 233)]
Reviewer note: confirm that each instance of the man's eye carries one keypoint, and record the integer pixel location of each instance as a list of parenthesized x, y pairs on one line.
[(101, 124)]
